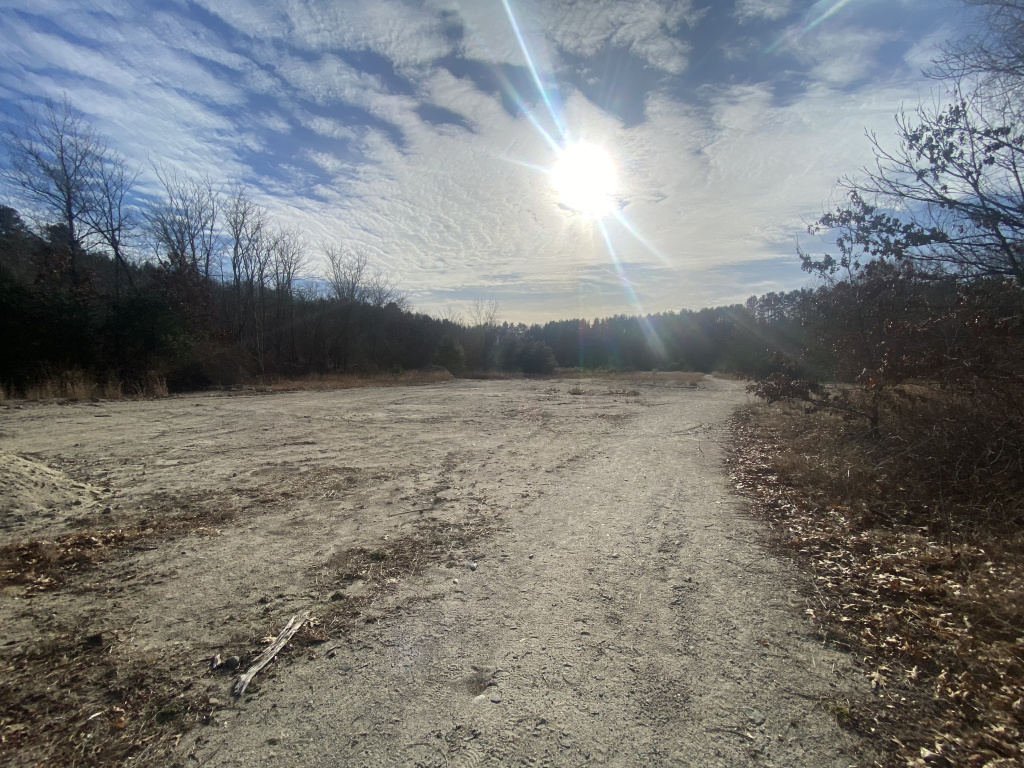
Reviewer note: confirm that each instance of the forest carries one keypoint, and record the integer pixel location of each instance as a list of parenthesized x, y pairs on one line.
[(228, 297)]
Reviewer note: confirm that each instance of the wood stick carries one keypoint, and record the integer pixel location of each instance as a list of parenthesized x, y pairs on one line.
[(293, 626)]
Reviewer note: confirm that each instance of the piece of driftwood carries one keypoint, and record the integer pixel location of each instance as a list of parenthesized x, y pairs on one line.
[(293, 626)]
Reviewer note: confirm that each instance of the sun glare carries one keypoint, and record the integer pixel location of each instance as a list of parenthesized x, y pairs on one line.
[(584, 178)]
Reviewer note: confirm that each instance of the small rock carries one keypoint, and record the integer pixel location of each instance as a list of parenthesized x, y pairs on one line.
[(215, 662), (455, 581), (231, 663), (495, 698), (215, 702), (481, 699), (756, 716), (107, 510), (472, 566)]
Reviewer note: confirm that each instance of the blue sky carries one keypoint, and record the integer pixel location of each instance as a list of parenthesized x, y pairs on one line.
[(426, 131)]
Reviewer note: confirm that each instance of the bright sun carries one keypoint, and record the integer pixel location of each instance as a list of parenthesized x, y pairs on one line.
[(584, 178)]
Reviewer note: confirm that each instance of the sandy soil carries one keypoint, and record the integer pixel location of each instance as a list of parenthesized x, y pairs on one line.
[(504, 573)]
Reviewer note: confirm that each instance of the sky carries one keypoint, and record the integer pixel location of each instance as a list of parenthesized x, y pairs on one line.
[(561, 158)]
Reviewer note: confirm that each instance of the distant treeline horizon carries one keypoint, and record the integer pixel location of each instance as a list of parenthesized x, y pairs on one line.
[(116, 319)]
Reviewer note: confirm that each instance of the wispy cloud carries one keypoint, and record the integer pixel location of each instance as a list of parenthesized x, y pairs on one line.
[(417, 129)]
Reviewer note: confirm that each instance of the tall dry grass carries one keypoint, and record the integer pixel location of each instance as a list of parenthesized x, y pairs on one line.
[(328, 381), (651, 378), (76, 385)]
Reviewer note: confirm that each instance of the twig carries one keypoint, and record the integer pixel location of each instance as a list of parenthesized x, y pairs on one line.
[(268, 655)]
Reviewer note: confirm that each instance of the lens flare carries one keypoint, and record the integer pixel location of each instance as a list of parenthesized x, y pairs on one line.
[(584, 178)]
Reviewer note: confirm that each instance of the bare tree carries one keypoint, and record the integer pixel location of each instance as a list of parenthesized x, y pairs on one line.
[(992, 57), (51, 161), (382, 289), (110, 216), (352, 278), (248, 230), (184, 224), (345, 270), (950, 196), (289, 258), (451, 315), (484, 312)]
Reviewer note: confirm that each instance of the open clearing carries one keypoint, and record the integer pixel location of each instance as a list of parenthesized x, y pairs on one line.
[(501, 573)]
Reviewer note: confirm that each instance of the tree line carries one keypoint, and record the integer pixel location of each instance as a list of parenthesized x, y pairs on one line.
[(199, 285)]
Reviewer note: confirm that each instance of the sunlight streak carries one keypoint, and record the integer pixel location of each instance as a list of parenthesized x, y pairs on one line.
[(817, 13), (584, 175), (541, 88)]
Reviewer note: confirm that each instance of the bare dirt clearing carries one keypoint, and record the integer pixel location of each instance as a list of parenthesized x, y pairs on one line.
[(502, 573)]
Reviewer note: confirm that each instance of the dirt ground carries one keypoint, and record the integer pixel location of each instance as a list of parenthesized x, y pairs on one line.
[(550, 573)]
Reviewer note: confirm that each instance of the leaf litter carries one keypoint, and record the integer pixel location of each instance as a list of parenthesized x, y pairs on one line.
[(935, 610)]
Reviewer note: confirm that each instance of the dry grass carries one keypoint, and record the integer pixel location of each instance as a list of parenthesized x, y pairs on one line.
[(47, 564), (431, 542), (316, 382), (650, 378), (77, 385), (71, 698), (910, 574), (74, 695)]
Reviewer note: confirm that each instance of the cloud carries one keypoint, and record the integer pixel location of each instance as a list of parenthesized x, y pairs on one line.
[(646, 28), (762, 10), (416, 128)]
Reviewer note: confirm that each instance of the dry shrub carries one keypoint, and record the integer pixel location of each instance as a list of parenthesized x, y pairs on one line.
[(918, 563)]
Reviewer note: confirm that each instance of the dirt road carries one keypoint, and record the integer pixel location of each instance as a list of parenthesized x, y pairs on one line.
[(510, 573)]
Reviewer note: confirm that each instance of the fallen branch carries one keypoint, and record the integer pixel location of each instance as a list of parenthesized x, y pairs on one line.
[(293, 626)]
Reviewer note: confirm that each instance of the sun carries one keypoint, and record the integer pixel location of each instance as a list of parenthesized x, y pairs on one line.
[(584, 178)]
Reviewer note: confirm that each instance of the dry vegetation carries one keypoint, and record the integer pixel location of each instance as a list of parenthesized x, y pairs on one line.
[(351, 380), (650, 378), (915, 541), (77, 385), (71, 695)]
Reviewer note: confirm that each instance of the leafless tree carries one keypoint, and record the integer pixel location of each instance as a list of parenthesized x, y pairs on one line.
[(950, 196), (992, 57), (451, 315), (184, 224), (51, 161), (110, 216), (345, 270), (484, 312), (290, 257), (352, 279)]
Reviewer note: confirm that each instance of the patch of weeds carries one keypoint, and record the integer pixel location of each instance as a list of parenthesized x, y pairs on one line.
[(431, 542), (76, 699), (48, 564)]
